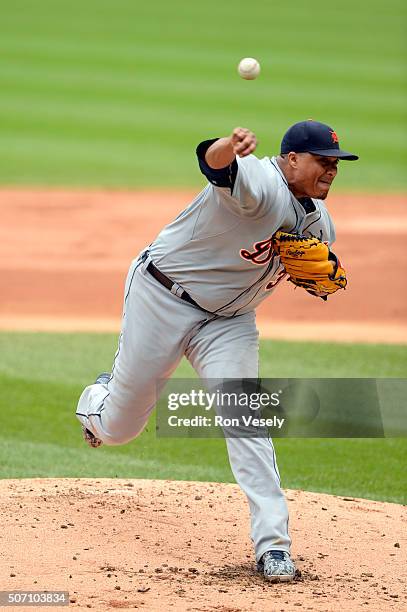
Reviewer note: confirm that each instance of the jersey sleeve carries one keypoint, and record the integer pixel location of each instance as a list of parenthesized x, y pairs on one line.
[(222, 177), (255, 191), (246, 187)]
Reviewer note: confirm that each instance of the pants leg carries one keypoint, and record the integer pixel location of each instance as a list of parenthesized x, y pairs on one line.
[(156, 328), (228, 347)]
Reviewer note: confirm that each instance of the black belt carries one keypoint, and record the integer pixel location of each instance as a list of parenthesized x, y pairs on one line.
[(168, 284)]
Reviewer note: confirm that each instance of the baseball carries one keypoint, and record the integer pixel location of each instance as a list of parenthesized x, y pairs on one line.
[(249, 68)]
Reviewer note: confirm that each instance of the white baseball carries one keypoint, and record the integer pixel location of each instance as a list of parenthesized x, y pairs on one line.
[(249, 68)]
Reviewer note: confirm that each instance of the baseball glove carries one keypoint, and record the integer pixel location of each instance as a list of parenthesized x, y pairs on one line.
[(309, 263)]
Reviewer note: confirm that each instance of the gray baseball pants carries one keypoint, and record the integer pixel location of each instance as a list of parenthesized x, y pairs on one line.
[(158, 329)]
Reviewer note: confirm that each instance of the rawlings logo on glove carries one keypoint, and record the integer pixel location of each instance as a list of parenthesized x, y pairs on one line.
[(310, 264)]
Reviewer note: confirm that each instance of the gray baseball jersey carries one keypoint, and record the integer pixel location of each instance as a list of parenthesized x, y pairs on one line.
[(219, 248)]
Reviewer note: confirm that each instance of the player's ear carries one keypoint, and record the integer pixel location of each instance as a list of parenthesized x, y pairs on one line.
[(293, 159)]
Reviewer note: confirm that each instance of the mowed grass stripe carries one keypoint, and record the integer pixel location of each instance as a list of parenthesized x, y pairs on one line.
[(135, 57), (126, 124), (130, 120), (126, 95), (76, 358), (25, 459), (100, 73), (115, 110), (363, 18), (343, 28), (94, 161), (119, 115)]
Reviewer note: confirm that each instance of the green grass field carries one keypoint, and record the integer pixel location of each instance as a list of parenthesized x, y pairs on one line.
[(103, 93), (118, 94), (42, 375)]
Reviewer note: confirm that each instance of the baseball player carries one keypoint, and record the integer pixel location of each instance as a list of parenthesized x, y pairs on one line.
[(194, 291)]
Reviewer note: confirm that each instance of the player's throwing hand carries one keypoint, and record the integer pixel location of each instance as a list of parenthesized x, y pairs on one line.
[(243, 141), (223, 151)]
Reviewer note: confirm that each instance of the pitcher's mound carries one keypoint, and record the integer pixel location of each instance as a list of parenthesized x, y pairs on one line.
[(159, 545)]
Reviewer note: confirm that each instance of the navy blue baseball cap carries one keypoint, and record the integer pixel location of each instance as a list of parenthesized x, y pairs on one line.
[(314, 137)]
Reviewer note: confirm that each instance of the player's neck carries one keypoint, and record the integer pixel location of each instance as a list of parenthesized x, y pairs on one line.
[(285, 169)]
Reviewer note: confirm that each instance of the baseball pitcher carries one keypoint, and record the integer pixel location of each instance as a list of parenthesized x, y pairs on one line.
[(195, 289)]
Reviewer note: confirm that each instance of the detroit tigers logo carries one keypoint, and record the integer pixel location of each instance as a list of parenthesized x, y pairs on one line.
[(261, 254), (334, 137), (279, 277)]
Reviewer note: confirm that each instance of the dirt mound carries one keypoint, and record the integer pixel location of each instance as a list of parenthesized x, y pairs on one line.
[(158, 545)]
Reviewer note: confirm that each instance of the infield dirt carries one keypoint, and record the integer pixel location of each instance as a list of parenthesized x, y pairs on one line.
[(158, 545)]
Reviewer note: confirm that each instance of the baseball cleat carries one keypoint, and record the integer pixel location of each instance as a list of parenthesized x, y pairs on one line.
[(88, 436), (103, 378), (277, 566)]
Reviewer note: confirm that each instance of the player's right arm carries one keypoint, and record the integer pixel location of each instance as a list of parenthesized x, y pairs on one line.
[(241, 180), (223, 151)]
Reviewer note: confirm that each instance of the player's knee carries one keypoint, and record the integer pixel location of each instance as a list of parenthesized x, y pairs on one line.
[(116, 434), (114, 419)]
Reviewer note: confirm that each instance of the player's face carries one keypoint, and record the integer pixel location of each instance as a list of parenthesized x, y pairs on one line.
[(315, 174)]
